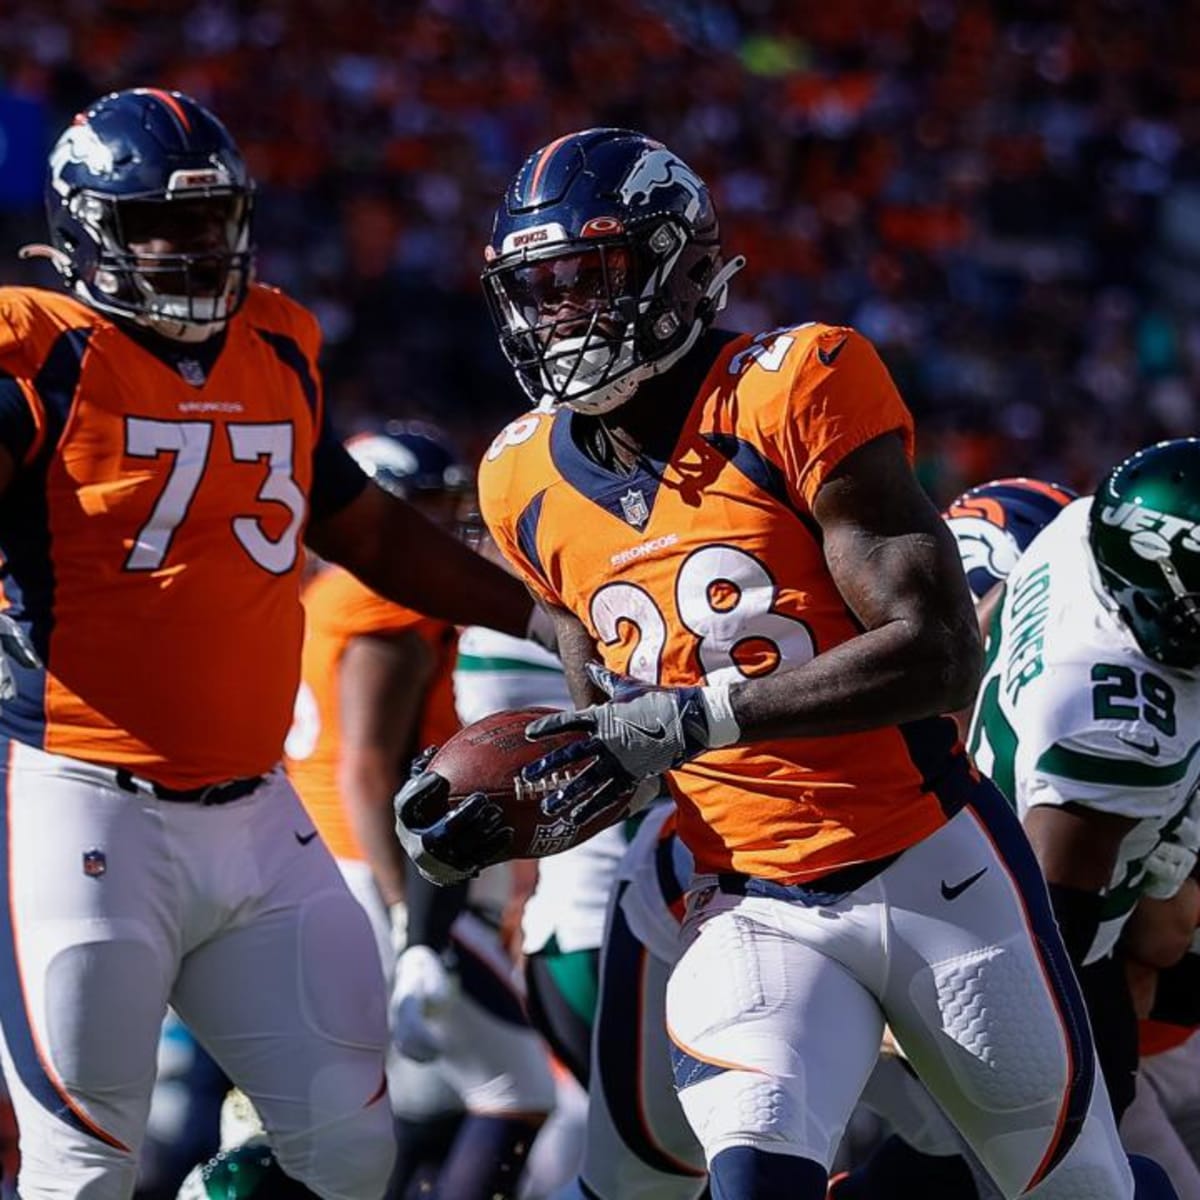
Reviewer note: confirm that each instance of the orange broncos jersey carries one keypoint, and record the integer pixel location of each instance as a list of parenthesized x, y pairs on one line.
[(709, 569), (338, 609), (152, 533)]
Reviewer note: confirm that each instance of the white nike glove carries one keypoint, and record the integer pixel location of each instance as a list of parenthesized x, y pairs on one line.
[(421, 993), (1172, 860)]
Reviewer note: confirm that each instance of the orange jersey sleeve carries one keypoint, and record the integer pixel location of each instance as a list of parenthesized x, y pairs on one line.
[(338, 609), (840, 396)]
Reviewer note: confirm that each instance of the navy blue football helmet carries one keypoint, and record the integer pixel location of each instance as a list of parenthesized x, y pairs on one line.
[(604, 267), (410, 459), (994, 522), (155, 170)]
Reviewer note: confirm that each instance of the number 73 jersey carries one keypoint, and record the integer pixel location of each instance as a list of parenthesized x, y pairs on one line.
[(708, 568), (152, 536), (1072, 711)]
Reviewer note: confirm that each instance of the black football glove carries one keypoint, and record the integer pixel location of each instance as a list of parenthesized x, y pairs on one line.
[(448, 847)]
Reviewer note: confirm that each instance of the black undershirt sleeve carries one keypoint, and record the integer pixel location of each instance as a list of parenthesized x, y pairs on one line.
[(337, 478), (431, 909)]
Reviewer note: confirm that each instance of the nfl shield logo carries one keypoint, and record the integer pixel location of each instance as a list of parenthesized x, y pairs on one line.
[(94, 863), (633, 505), (191, 371)]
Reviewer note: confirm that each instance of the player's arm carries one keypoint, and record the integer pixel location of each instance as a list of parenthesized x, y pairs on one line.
[(576, 648), (400, 554), (1077, 849), (1076, 846), (895, 564), (381, 688), (1159, 932)]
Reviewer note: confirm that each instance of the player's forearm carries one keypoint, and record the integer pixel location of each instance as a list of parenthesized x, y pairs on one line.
[(367, 787), (1159, 932), (896, 673), (446, 579), (400, 554)]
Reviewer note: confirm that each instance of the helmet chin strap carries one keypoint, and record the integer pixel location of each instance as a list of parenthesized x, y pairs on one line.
[(715, 296)]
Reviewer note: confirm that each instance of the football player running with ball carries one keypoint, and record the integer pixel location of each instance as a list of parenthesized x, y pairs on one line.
[(164, 454), (730, 524)]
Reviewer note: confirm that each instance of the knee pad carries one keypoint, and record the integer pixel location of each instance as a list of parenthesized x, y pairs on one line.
[(743, 1108)]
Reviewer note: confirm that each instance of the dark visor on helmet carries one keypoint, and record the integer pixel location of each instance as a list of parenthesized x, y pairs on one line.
[(582, 282)]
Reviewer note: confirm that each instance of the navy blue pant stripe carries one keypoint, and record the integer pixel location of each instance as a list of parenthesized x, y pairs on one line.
[(618, 1042), (1002, 825), (18, 1033)]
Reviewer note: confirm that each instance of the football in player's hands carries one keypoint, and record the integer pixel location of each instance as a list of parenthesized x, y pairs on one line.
[(488, 756)]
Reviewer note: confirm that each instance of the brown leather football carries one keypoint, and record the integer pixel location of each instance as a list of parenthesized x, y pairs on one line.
[(488, 756)]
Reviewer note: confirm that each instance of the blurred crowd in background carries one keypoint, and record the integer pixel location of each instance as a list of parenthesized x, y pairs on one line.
[(1005, 196)]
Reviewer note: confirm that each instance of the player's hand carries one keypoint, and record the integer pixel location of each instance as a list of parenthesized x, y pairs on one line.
[(448, 847), (15, 647), (642, 732), (1172, 860), (423, 989)]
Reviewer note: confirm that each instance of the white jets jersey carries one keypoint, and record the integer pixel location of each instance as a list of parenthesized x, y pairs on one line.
[(1071, 710), (495, 672)]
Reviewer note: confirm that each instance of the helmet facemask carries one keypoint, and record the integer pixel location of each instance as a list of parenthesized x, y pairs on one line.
[(187, 290), (586, 323), (1165, 622)]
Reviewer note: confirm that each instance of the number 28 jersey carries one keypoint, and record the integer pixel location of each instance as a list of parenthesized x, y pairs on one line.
[(1071, 710), (708, 568), (151, 534)]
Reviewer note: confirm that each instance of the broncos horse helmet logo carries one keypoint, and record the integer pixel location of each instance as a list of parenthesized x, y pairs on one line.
[(657, 169)]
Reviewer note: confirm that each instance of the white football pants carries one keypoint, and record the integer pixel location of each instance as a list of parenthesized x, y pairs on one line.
[(777, 1006), (119, 903)]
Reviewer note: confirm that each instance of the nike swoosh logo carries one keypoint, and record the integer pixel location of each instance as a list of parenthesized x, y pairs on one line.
[(953, 893), (655, 735), (304, 838), (1151, 748), (828, 356)]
